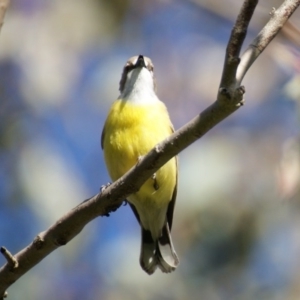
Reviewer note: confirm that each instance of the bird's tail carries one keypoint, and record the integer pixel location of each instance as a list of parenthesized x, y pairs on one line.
[(158, 253)]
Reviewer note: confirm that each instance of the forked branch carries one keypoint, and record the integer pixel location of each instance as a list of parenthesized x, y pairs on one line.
[(278, 18)]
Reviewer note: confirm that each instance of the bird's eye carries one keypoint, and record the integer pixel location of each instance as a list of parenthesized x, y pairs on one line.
[(129, 67)]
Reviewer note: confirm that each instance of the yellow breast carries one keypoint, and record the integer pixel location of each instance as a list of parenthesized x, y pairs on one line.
[(132, 130)]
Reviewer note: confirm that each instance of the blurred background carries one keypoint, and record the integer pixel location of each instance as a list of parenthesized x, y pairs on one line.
[(237, 219)]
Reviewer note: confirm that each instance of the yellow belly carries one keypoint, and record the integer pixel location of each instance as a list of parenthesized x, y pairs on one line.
[(131, 131)]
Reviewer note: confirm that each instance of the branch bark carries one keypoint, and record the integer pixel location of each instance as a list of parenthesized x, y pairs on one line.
[(229, 99)]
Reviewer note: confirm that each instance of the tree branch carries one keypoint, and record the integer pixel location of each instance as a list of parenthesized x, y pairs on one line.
[(259, 44), (235, 43), (229, 99), (3, 7)]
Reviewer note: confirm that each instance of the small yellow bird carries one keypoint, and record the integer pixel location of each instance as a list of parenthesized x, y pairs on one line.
[(136, 122)]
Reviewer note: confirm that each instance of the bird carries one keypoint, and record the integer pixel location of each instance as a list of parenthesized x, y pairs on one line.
[(137, 121)]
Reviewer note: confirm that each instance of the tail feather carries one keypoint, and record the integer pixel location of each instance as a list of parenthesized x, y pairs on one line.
[(168, 259), (148, 260), (159, 253)]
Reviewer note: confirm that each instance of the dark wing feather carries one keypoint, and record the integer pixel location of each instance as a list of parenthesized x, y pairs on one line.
[(102, 137), (173, 200), (135, 212)]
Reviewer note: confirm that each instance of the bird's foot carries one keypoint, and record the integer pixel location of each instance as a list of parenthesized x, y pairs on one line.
[(104, 187), (155, 183)]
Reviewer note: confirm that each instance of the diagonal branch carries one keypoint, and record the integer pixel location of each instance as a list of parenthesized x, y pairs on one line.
[(229, 99)]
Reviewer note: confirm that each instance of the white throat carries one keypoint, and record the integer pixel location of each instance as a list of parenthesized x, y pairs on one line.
[(139, 87)]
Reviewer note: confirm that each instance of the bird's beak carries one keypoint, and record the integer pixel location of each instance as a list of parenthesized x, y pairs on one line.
[(140, 63)]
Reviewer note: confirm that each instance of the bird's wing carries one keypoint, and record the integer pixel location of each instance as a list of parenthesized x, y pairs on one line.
[(173, 199), (102, 137)]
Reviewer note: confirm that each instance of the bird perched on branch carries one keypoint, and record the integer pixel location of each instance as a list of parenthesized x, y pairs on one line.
[(136, 122)]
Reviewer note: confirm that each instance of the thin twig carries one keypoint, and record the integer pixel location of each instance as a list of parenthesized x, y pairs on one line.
[(259, 44), (11, 260)]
